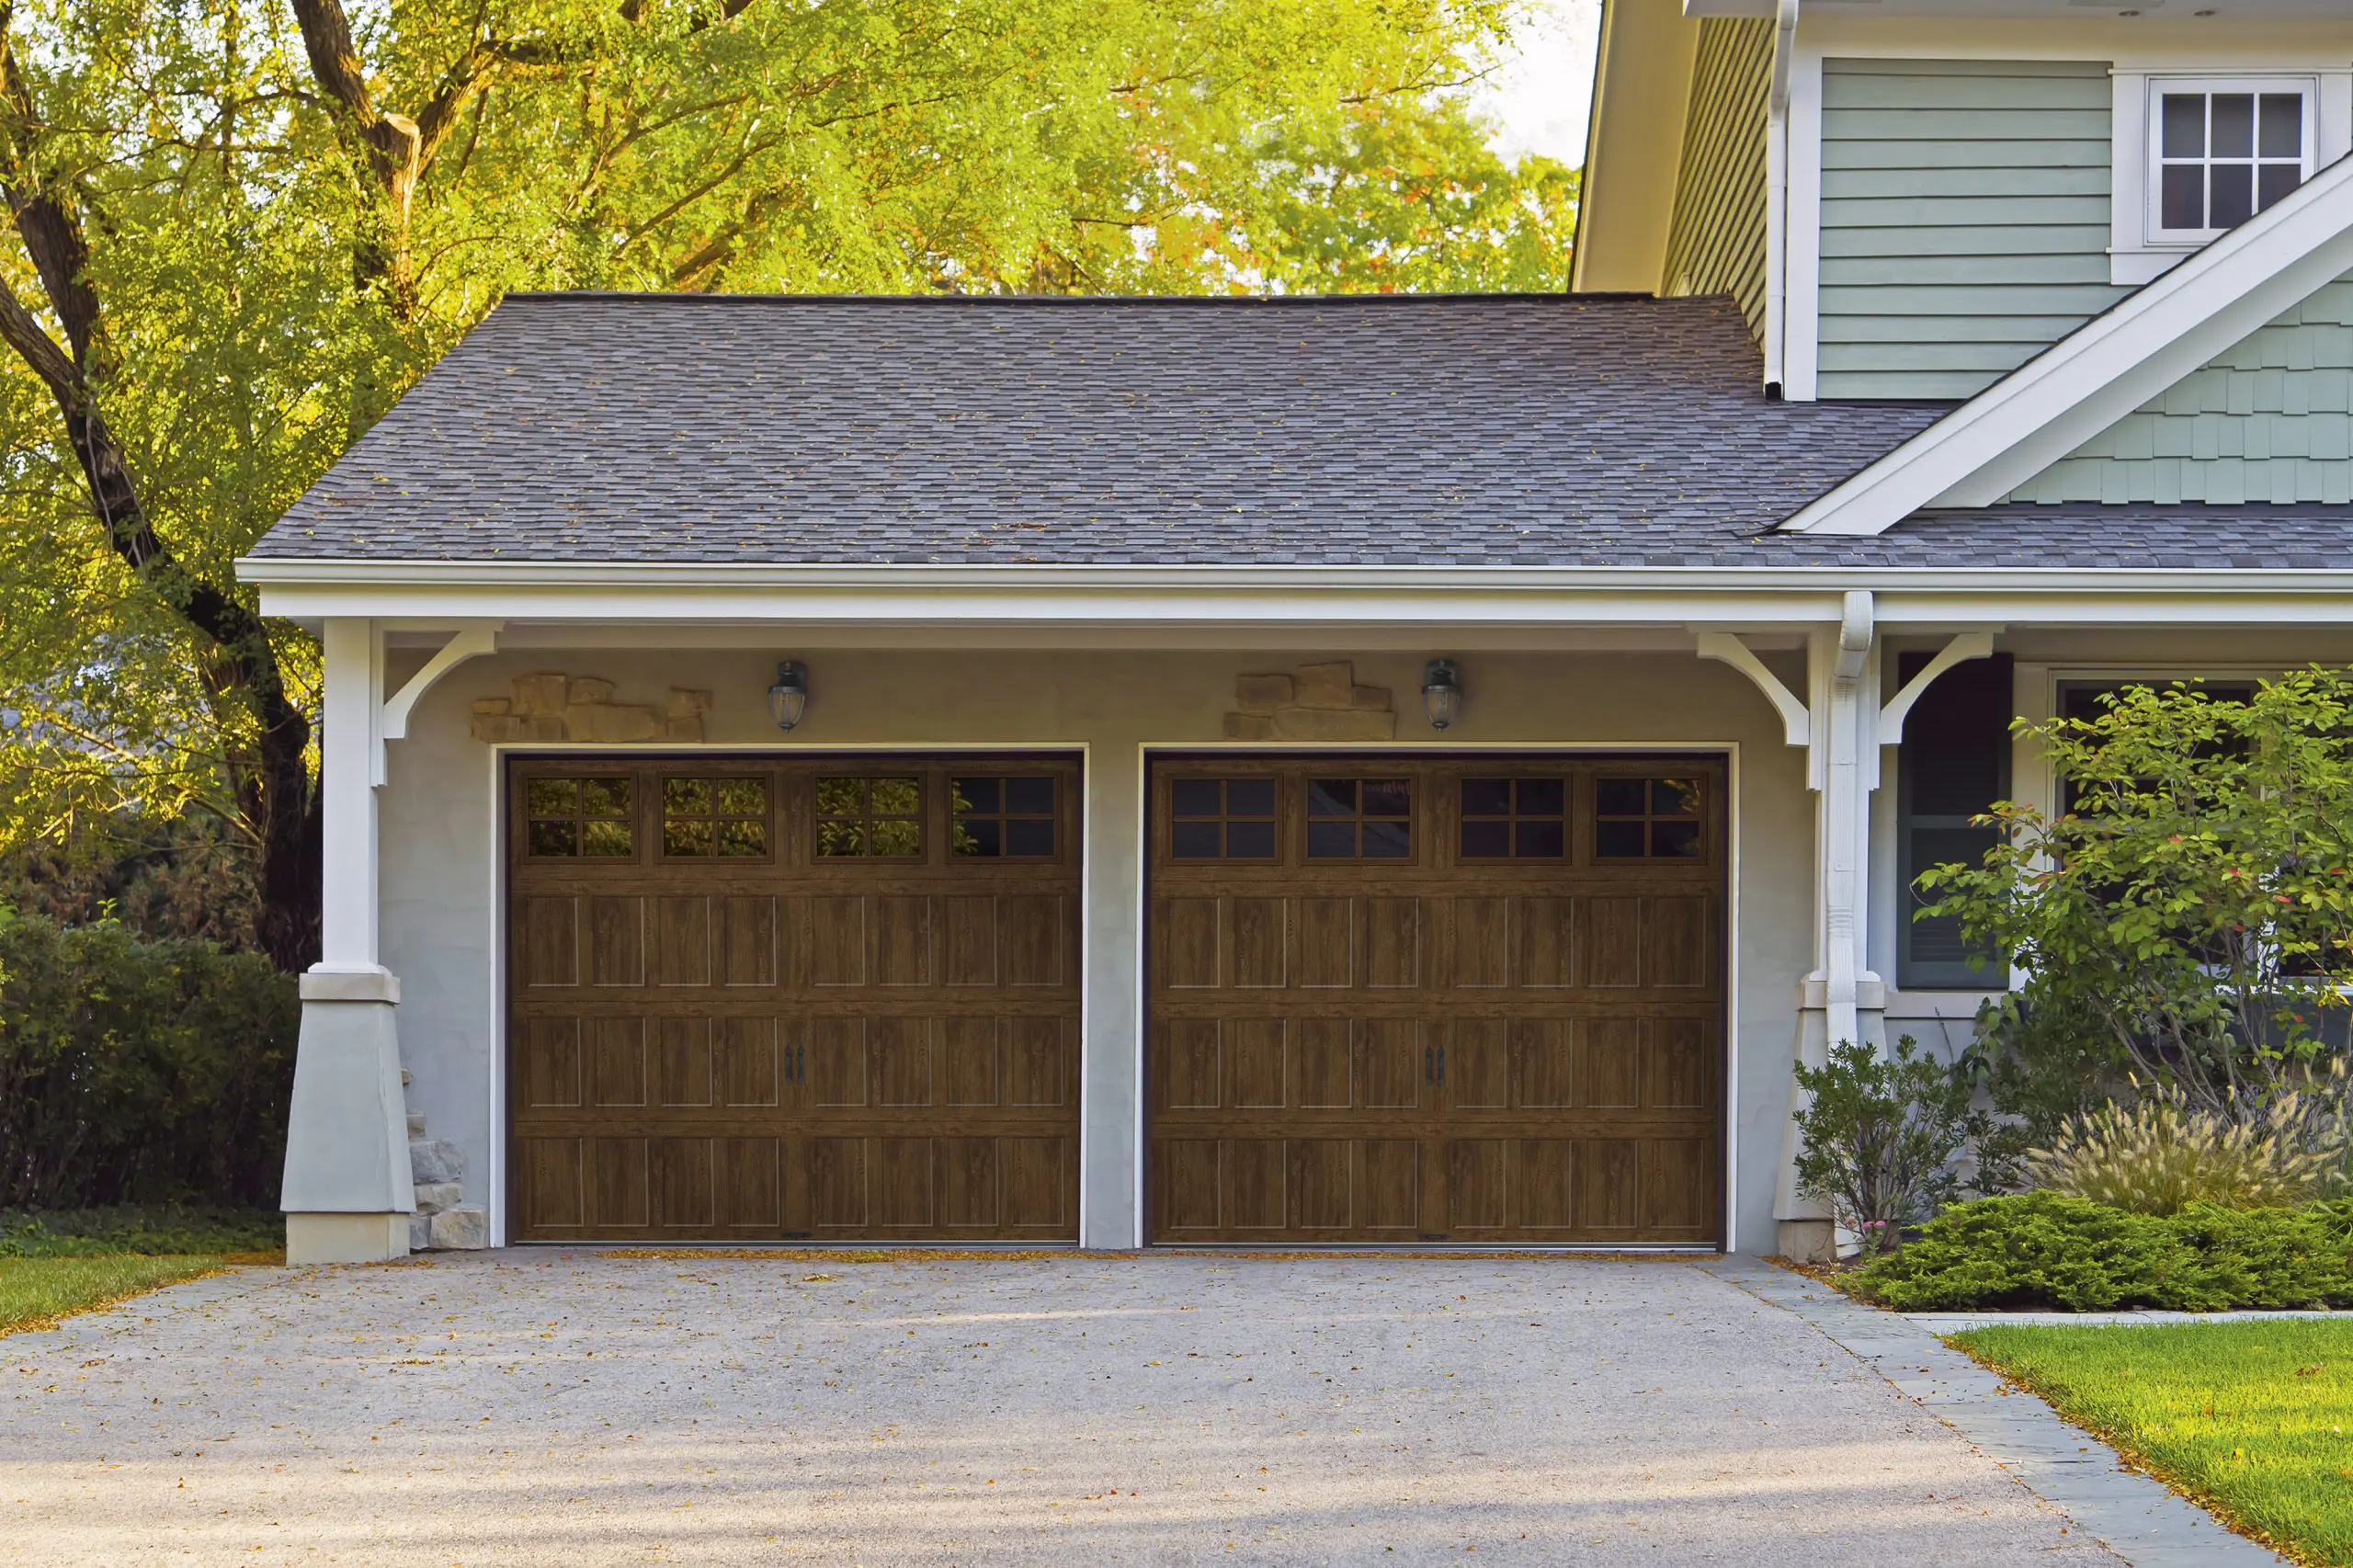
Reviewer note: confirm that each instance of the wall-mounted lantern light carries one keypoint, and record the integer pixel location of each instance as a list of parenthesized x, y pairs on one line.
[(789, 698), (1441, 693)]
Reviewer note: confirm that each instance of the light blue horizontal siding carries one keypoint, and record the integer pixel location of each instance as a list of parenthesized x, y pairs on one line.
[(1965, 219), (1716, 241), (2270, 420)]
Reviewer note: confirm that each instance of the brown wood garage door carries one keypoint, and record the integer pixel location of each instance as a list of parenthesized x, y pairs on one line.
[(759, 1000), (1468, 1001)]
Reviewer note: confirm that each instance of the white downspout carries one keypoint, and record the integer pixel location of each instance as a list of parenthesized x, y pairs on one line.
[(1777, 196)]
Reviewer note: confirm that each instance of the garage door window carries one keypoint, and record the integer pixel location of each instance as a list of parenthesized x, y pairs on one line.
[(714, 817), (1222, 819), (1514, 819), (881, 818), (1006, 818), (1646, 819), (1359, 819), (578, 816)]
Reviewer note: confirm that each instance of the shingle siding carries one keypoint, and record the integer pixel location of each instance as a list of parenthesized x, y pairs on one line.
[(1716, 242), (2270, 421), (1965, 219)]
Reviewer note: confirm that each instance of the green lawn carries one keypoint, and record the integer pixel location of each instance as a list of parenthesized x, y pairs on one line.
[(62, 1261), (2249, 1418), (36, 1291)]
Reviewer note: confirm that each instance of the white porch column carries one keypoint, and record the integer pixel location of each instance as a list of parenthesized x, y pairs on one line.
[(1841, 1000), (347, 1193)]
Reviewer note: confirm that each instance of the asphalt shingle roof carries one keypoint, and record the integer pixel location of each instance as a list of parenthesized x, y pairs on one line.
[(1467, 430)]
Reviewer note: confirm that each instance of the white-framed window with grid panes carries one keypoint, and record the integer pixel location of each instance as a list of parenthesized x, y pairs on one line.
[(2221, 149)]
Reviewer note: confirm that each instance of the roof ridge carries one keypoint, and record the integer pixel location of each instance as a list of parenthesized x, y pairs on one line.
[(1187, 301)]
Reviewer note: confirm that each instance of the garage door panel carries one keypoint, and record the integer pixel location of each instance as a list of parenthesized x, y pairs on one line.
[(1255, 1048), (1546, 1050), (745, 944), (719, 1032), (1393, 943), (1682, 1064), (968, 1062), (1510, 1034), (836, 941), (1188, 933), (970, 935), (901, 929), (1608, 1186), (1326, 942), (1261, 944), (615, 939), (1391, 1065), (682, 940), (836, 1062), (1547, 942), (750, 1069), (1257, 1186), (1038, 927), (553, 1196), (1478, 1075), (749, 1183), (684, 1176), (1036, 1178), (619, 1184), (1037, 1061), (1321, 1194), (682, 1062), (1477, 1188), (548, 1055), (1611, 1063), (1482, 952), (900, 1050), (616, 1061), (548, 942), (1327, 1068), (1389, 1186)]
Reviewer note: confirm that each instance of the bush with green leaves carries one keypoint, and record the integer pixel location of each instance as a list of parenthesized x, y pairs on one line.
[(1879, 1133), (2194, 902), (2042, 1249), (139, 1071)]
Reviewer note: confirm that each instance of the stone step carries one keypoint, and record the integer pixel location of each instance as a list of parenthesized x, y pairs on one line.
[(432, 1196), (460, 1230), (436, 1159)]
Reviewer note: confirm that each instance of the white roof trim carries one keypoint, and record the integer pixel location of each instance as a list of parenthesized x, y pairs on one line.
[(2109, 367)]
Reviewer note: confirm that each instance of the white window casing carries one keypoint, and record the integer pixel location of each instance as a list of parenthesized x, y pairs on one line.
[(2141, 247)]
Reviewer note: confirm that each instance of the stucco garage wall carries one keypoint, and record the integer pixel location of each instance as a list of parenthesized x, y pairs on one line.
[(440, 875)]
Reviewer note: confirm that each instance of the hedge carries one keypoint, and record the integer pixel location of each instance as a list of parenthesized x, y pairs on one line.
[(2037, 1249), (134, 1071)]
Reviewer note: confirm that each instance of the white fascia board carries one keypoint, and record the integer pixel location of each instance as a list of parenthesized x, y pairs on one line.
[(1008, 598), (2106, 369)]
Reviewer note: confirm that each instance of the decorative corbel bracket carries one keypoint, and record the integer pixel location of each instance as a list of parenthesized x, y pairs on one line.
[(1966, 646), (391, 720), (1797, 722)]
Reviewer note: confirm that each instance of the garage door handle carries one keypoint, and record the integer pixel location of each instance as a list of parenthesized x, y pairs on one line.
[(793, 1065), (1441, 1067)]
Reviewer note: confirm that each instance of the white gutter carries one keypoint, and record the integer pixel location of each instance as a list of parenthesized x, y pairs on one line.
[(1777, 196)]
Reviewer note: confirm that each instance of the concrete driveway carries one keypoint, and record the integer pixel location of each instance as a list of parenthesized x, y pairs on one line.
[(536, 1408)]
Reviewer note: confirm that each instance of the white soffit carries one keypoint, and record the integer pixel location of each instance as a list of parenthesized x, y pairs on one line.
[(2109, 367)]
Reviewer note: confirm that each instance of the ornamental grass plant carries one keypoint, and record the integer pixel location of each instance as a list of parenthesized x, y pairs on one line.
[(2162, 1154)]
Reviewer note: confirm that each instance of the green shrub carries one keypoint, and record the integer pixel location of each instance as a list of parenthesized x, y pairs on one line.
[(139, 1071), (2161, 1155), (1880, 1132), (2042, 1249)]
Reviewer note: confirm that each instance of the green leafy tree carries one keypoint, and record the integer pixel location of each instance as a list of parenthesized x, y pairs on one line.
[(240, 229), (2195, 902)]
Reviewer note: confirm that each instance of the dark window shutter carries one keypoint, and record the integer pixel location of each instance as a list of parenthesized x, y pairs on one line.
[(1955, 764)]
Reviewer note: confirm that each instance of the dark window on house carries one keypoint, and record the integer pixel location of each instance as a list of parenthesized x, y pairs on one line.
[(1655, 819), (1006, 818), (1359, 819), (1222, 819), (1955, 764), (1514, 819)]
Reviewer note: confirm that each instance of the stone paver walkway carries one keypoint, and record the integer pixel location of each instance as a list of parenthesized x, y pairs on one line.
[(534, 1407)]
